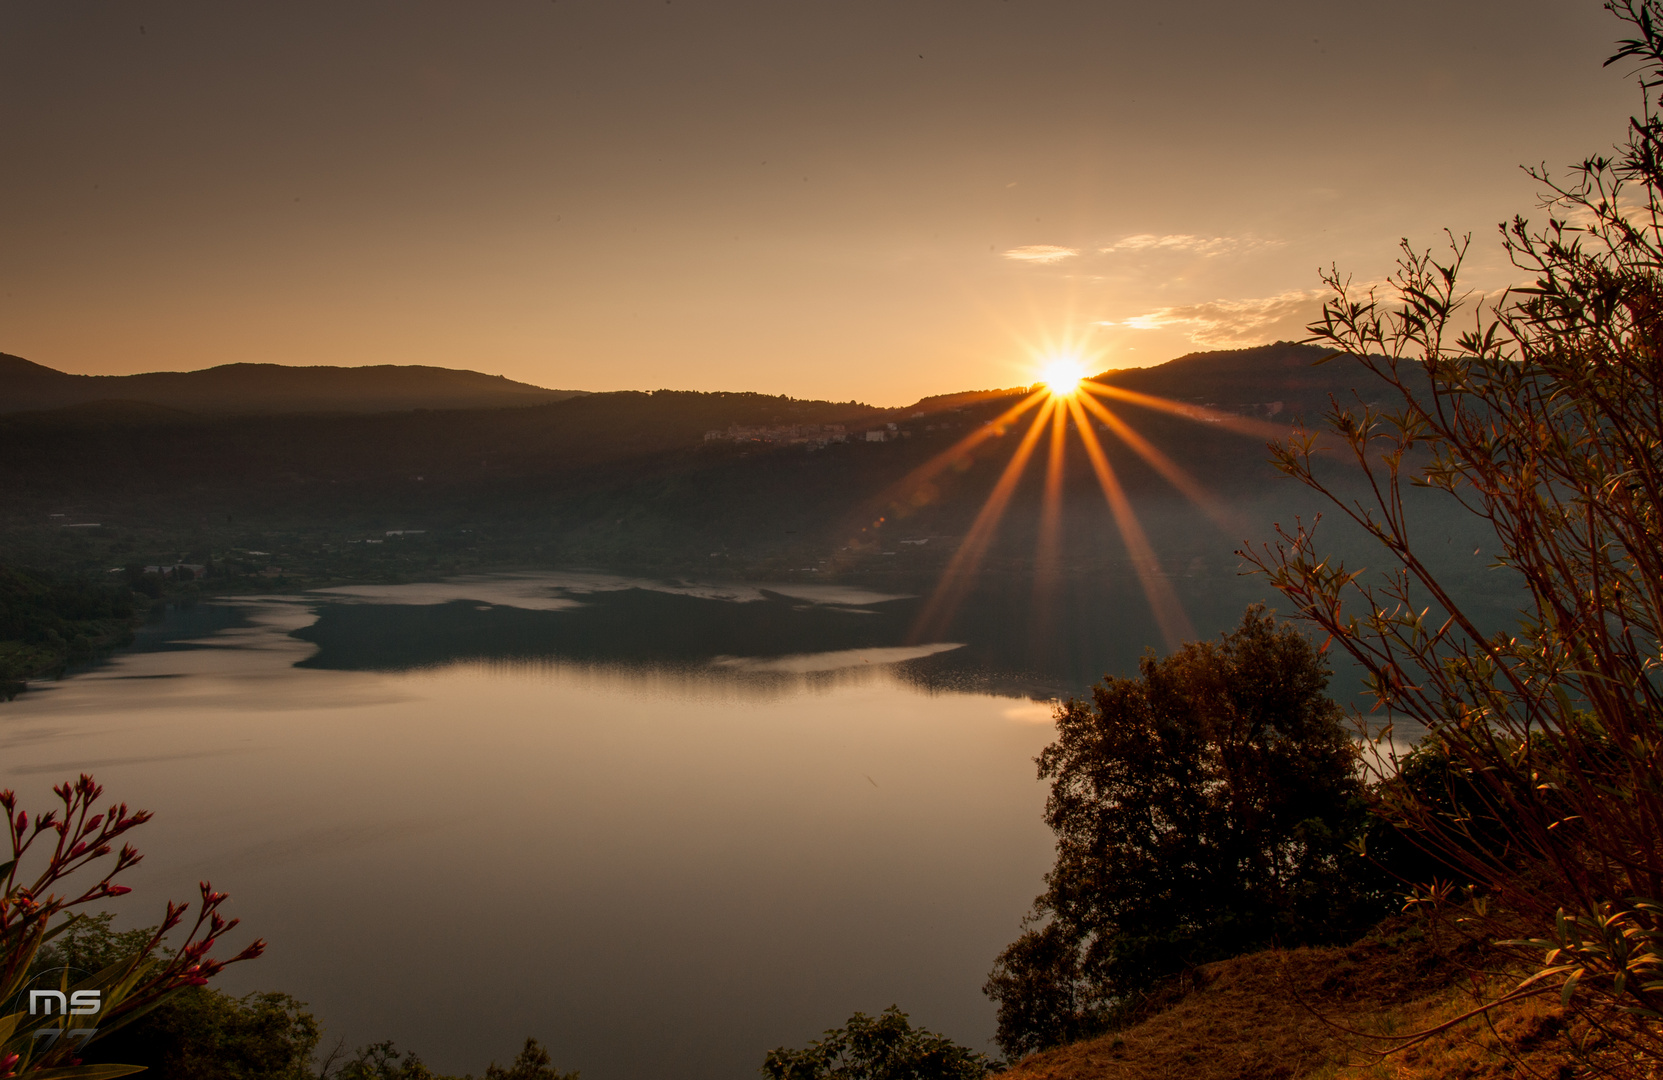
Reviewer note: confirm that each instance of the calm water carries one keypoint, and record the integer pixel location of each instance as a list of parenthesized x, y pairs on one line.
[(662, 827)]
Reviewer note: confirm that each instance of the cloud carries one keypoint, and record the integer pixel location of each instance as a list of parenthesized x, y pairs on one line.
[(1235, 323), (1041, 253), (1145, 243), (1186, 243), (1229, 324)]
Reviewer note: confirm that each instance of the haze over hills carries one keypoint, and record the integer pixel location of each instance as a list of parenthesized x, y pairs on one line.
[(633, 481), (269, 388), (624, 468), (151, 439), (608, 458)]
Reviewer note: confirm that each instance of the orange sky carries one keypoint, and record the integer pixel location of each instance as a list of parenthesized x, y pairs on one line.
[(872, 199)]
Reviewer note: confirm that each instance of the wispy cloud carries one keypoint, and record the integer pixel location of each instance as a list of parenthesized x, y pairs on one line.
[(1233, 323), (1041, 253), (1188, 244)]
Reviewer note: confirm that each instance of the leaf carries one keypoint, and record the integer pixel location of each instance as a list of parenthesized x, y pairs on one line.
[(61, 927), (1569, 989)]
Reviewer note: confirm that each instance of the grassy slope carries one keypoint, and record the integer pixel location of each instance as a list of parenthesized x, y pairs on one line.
[(1298, 1014)]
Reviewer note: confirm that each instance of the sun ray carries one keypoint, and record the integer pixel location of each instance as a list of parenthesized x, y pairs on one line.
[(1050, 519), (1048, 551), (1174, 473), (1242, 425), (1174, 624), (901, 491), (1065, 397), (955, 579)]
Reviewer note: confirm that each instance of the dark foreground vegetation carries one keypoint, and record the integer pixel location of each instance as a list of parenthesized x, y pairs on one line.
[(150, 1006), (878, 1048), (1204, 809)]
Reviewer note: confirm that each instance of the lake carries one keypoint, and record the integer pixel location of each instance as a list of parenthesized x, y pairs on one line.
[(662, 826)]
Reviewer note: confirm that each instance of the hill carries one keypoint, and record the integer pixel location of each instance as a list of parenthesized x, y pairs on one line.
[(269, 388), (1324, 1014), (1250, 380), (633, 467), (633, 481), (1284, 379), (630, 476), (1268, 379)]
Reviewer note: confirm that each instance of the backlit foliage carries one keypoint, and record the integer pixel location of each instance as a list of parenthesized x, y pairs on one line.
[(1541, 412), (60, 861)]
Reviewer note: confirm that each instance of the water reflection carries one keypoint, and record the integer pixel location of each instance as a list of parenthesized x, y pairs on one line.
[(459, 826), (747, 636), (664, 826)]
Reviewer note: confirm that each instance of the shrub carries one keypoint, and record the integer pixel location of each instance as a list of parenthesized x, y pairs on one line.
[(204, 1034), (886, 1047), (383, 1061)]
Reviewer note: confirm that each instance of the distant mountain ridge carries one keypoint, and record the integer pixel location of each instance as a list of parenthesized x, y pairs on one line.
[(630, 479), (1285, 372), (1283, 378), (1269, 379), (269, 388)]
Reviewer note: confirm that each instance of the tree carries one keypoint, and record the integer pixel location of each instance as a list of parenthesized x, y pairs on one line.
[(532, 1063), (1201, 809), (383, 1061), (1544, 419), (197, 1033), (205, 1034), (49, 621), (886, 1047)]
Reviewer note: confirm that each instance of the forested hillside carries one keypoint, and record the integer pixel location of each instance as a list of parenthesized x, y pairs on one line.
[(268, 388)]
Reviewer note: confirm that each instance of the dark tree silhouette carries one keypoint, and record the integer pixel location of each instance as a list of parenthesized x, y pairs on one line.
[(1201, 809), (884, 1047)]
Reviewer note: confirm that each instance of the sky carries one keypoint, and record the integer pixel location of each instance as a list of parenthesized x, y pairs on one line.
[(844, 199)]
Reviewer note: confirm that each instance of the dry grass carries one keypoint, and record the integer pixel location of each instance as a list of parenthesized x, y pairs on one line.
[(1328, 1014)]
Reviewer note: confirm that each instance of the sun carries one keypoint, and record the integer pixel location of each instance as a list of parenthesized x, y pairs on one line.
[(1062, 375)]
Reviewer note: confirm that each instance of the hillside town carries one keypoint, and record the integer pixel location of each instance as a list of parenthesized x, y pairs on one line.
[(814, 436)]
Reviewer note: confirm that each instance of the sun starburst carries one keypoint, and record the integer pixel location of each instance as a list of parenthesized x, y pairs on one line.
[(1062, 375), (1064, 401)]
